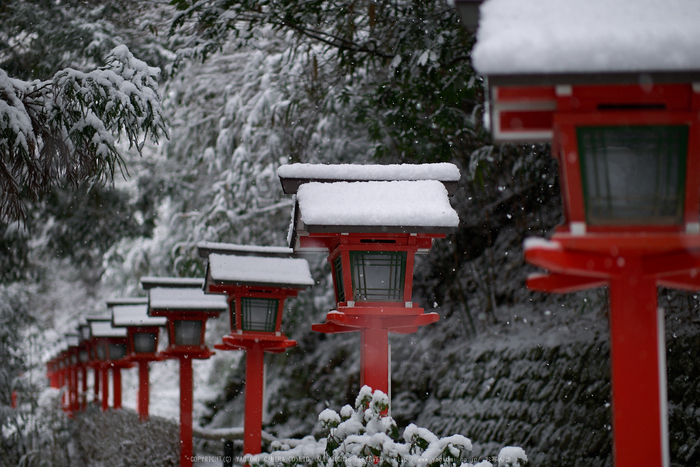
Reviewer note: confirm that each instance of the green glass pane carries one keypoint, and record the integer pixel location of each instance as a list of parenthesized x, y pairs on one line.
[(339, 288), (259, 314), (633, 175), (188, 332), (378, 276)]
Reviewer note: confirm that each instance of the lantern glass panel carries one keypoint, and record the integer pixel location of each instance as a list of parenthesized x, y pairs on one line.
[(188, 332), (101, 351), (145, 342), (83, 356), (85, 332), (74, 359), (338, 275), (117, 351), (378, 276), (259, 314), (633, 175)]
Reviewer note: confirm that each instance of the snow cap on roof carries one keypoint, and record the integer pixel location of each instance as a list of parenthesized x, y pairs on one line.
[(403, 205), (105, 329), (573, 36), (185, 299), (207, 248), (259, 270), (293, 175), (135, 315)]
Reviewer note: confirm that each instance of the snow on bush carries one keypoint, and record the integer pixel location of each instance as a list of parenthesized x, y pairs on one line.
[(366, 436)]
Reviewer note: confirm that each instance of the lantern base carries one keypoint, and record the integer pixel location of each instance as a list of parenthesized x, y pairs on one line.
[(631, 270), (393, 319), (269, 342), (195, 353)]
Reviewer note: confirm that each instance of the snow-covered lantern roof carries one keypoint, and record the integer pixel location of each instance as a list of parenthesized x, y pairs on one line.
[(256, 280), (142, 329), (185, 305), (615, 87), (371, 220)]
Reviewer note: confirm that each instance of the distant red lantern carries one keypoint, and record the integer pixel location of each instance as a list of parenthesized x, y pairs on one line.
[(142, 340), (109, 351), (372, 221), (187, 308), (256, 280)]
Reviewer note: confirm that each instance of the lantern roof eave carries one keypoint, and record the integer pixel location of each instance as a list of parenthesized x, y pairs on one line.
[(114, 302), (646, 78), (150, 282), (292, 176)]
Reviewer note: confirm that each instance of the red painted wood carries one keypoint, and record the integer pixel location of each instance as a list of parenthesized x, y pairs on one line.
[(143, 400), (523, 93), (374, 363), (526, 120), (105, 388), (84, 389), (638, 375), (96, 384), (117, 384), (563, 283), (185, 412), (254, 384)]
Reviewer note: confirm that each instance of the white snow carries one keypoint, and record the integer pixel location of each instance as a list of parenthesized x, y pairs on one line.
[(190, 299), (245, 248), (562, 36), (135, 315), (441, 171), (260, 270), (511, 455), (105, 329), (531, 243), (421, 203)]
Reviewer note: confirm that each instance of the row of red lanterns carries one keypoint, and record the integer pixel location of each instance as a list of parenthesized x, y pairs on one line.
[(372, 267)]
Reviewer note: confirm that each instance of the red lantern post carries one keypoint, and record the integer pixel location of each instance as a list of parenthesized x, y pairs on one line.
[(187, 308), (372, 220), (623, 117), (142, 340), (256, 280)]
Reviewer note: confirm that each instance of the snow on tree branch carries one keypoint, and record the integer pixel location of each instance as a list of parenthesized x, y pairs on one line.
[(66, 128)]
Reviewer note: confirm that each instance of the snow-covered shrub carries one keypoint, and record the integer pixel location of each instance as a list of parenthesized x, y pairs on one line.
[(366, 436)]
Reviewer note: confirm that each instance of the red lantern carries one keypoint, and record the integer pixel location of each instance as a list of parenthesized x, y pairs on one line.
[(187, 308), (109, 349), (256, 280), (142, 340), (623, 116), (372, 221)]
